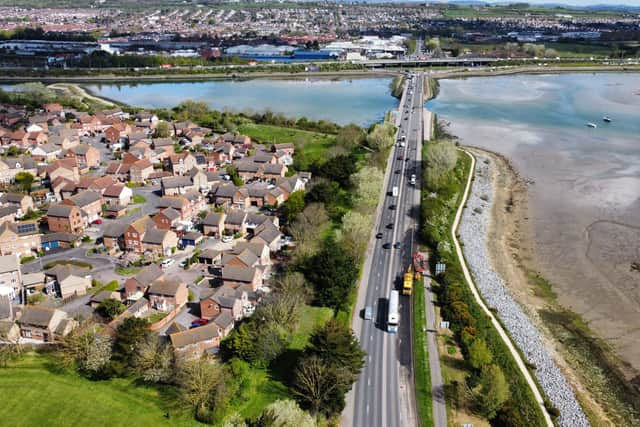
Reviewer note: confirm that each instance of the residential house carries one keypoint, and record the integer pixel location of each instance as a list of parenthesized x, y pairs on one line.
[(89, 202), (11, 166), (214, 301), (117, 195), (44, 324), (140, 171), (46, 152), (268, 234), (9, 213), (66, 218), (22, 201), (10, 276), (136, 287), (86, 156), (167, 219), (235, 222), (142, 235), (113, 236), (167, 294), (180, 164), (68, 280), (235, 276), (174, 185), (288, 148), (20, 239), (66, 168), (213, 224), (193, 343)]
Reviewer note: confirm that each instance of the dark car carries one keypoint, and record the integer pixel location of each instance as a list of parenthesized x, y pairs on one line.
[(401, 157), (387, 245), (199, 322), (379, 236), (397, 171), (397, 245), (392, 207), (390, 226)]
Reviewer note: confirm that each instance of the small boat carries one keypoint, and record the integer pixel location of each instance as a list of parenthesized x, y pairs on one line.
[(591, 125), (606, 119)]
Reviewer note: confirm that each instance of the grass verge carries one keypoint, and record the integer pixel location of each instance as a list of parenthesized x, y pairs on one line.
[(422, 373), (66, 262), (127, 271)]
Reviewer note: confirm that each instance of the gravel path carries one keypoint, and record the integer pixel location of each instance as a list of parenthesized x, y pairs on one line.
[(474, 229)]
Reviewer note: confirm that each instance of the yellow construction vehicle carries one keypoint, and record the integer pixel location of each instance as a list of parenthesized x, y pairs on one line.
[(407, 287)]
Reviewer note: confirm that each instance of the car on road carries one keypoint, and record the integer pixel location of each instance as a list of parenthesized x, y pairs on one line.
[(368, 313), (198, 322), (227, 239), (401, 157), (397, 171), (390, 226), (402, 144), (397, 245), (379, 236), (183, 263), (167, 262), (392, 207), (387, 245)]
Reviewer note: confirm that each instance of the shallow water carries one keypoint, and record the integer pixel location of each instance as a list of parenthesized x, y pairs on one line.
[(585, 182), (360, 101)]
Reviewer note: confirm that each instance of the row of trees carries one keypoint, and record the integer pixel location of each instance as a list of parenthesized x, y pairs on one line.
[(486, 390)]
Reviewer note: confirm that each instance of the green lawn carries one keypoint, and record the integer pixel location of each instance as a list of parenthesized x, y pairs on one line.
[(35, 396), (310, 319), (137, 198), (127, 271), (314, 144), (66, 262)]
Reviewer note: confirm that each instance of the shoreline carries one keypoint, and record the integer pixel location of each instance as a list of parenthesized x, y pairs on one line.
[(511, 248), (461, 72)]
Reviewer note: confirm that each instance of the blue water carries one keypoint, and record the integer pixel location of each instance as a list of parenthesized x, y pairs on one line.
[(360, 101)]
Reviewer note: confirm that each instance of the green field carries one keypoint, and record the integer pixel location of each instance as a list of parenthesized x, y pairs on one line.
[(314, 144), (34, 395)]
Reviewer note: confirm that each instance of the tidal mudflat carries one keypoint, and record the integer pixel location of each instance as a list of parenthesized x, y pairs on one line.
[(583, 217)]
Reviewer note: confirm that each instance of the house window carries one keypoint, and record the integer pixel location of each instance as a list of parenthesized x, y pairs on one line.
[(26, 333)]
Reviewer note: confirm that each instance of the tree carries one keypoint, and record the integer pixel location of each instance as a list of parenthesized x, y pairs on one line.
[(154, 360), (163, 130), (381, 136), (335, 344), (201, 385), (294, 204), (350, 136), (235, 177), (284, 413), (308, 226), (110, 308), (316, 387), (86, 350), (129, 335), (439, 158), (479, 354), (282, 309), (333, 273), (294, 285), (25, 180), (354, 233), (492, 391), (367, 182), (195, 111)]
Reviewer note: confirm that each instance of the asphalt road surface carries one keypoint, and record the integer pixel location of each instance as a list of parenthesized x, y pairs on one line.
[(383, 395)]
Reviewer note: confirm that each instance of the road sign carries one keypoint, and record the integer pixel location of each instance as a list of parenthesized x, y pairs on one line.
[(440, 268)]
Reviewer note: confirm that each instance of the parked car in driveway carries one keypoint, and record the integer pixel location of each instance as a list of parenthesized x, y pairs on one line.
[(167, 262), (199, 322)]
